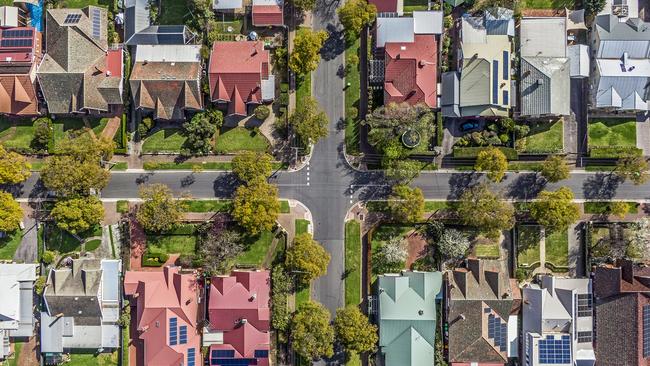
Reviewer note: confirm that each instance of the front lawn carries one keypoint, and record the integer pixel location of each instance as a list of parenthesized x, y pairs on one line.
[(66, 127), (604, 207), (528, 245), (302, 296), (557, 248), (207, 205), (91, 245), (544, 137), (166, 140), (302, 226), (240, 139), (612, 132), (256, 250), (173, 12), (383, 234), (64, 242), (9, 244), (16, 134), (122, 206), (352, 262), (431, 206), (180, 241)]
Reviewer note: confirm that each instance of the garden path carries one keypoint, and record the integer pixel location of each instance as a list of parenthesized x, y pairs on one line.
[(542, 253)]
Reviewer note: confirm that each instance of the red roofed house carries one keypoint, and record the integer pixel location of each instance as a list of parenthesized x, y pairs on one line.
[(167, 309), (411, 71), (268, 13), (239, 75), (389, 6), (20, 53), (239, 318)]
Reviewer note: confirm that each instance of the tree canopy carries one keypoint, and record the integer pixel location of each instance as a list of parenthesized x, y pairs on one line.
[(10, 213), (249, 166), (306, 258), (555, 210), (309, 121), (159, 211), (312, 335), (480, 208), (406, 204), (354, 330), (354, 15), (200, 130), (555, 169), (493, 161), (256, 206), (77, 215), (305, 56), (304, 4), (388, 123), (218, 249), (452, 243), (14, 168), (632, 167), (391, 256)]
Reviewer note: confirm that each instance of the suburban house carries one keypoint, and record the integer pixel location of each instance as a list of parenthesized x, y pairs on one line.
[(621, 45), (266, 13), (81, 308), (227, 6), (17, 306), (483, 308), (388, 7), (80, 72), (407, 62), (622, 300), (166, 80), (240, 76), (163, 35), (136, 17), (20, 54), (406, 314), (166, 303), (239, 319), (484, 83), (557, 322)]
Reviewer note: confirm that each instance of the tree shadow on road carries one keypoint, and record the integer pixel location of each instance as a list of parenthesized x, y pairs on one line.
[(225, 185), (334, 45), (601, 186), (459, 182), (526, 186)]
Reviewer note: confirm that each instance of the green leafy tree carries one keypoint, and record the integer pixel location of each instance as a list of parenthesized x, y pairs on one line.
[(249, 166), (555, 210), (280, 289), (452, 243), (306, 259), (354, 331), (593, 7), (555, 169), (159, 211), (42, 134), (306, 51), (304, 4), (77, 215), (256, 206), (48, 257), (312, 336), (354, 15), (14, 168), (406, 204), (480, 208), (401, 170), (218, 250), (262, 112), (200, 131), (493, 161), (391, 256), (632, 167), (618, 209), (309, 121), (10, 213)]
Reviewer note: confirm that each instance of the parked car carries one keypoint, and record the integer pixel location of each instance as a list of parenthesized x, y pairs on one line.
[(469, 125)]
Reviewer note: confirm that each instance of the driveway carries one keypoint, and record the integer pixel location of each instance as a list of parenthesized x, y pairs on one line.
[(643, 133), (27, 251)]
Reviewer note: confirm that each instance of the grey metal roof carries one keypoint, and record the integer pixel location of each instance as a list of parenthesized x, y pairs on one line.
[(450, 97), (614, 37), (136, 17), (500, 21), (622, 89), (545, 86), (162, 35), (543, 37), (395, 30), (51, 333), (579, 59)]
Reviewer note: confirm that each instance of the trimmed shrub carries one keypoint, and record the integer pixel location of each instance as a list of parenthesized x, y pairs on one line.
[(472, 152), (284, 87), (150, 259), (613, 151), (283, 99), (262, 112)]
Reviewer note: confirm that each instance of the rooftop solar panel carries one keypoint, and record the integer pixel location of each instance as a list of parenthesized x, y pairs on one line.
[(97, 22), (646, 330), (498, 332), (72, 19), (555, 350), (20, 42), (17, 33)]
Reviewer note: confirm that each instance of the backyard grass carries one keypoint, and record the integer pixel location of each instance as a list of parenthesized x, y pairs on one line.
[(603, 207), (102, 359), (612, 132), (302, 226), (122, 207), (9, 244), (544, 137), (256, 250), (557, 248), (18, 347), (173, 12), (166, 140), (18, 137), (78, 4), (182, 241), (528, 245), (352, 95), (352, 262), (240, 139), (207, 205), (488, 250), (91, 245)]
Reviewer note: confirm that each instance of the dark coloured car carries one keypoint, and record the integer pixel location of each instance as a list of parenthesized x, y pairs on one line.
[(469, 125)]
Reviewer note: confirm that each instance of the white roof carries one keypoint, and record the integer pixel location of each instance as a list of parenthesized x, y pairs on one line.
[(633, 68), (268, 88), (226, 4), (168, 53), (427, 22), (8, 16), (579, 58), (543, 37), (11, 277), (110, 279), (267, 2), (110, 336), (395, 30)]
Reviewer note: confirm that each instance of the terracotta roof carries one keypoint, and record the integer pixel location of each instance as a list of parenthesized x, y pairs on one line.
[(385, 6), (267, 15), (20, 53), (236, 72), (411, 71), (18, 95)]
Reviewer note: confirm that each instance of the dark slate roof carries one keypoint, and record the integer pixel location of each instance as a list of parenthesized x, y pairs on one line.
[(84, 309), (161, 34), (136, 17), (619, 334)]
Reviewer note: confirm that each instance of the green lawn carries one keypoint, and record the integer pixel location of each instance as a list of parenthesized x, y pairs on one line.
[(64, 127), (256, 249), (612, 132), (488, 250), (557, 248), (92, 245), (120, 166), (173, 12), (603, 207), (528, 244), (78, 4), (103, 359), (431, 206), (173, 243), (284, 207), (413, 5), (352, 95), (166, 140), (19, 137), (352, 262), (524, 165), (207, 205), (544, 137), (18, 347), (205, 165), (9, 244), (36, 165), (536, 4), (302, 296), (240, 139), (125, 345), (302, 226), (123, 207), (63, 242)]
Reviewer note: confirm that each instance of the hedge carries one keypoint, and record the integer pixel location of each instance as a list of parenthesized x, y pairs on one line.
[(154, 259), (472, 152), (120, 137), (613, 151), (440, 129), (557, 269)]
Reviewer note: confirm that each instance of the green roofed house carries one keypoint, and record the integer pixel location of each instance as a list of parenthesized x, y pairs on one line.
[(407, 317)]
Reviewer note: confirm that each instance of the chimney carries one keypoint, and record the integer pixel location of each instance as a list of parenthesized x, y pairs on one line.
[(626, 58), (627, 270), (476, 267), (252, 298), (526, 73)]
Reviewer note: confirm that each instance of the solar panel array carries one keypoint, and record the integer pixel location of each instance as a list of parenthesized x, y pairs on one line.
[(97, 22), (646, 330), (17, 33), (233, 361), (72, 19), (555, 351), (191, 357), (584, 304), (24, 42), (173, 331), (498, 332)]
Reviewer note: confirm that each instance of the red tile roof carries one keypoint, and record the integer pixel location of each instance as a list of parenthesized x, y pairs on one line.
[(241, 66), (114, 62), (385, 6), (20, 53), (264, 15), (411, 71)]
